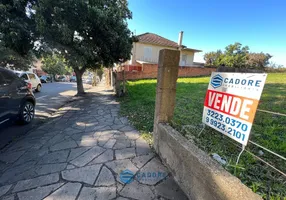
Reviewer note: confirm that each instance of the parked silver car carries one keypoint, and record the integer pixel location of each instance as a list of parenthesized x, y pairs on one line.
[(62, 79), (32, 78), (88, 80)]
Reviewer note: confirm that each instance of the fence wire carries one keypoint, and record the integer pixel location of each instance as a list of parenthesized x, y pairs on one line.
[(188, 121)]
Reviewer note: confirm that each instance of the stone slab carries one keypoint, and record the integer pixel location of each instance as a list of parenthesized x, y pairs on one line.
[(125, 153), (106, 156), (4, 189), (54, 140), (70, 167), (10, 157), (87, 141), (110, 143), (139, 161), (122, 143), (10, 197), (35, 155), (121, 198), (87, 156), (119, 187), (74, 153), (127, 128), (105, 178), (38, 193), (36, 182), (154, 171), (99, 193), (70, 131), (133, 134), (120, 165), (21, 172), (68, 191), (63, 145), (55, 157), (142, 147), (86, 174), (50, 168), (135, 190)]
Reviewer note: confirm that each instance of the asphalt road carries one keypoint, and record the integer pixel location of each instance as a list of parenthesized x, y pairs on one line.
[(51, 97)]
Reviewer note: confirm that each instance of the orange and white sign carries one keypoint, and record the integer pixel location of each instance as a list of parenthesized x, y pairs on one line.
[(231, 102)]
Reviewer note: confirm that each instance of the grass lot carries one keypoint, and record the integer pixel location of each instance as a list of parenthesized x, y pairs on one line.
[(269, 130)]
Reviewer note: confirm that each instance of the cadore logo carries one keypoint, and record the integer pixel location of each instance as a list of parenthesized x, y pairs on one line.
[(216, 81), (126, 176)]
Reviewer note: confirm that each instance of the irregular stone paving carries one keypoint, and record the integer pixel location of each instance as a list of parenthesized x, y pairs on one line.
[(80, 154)]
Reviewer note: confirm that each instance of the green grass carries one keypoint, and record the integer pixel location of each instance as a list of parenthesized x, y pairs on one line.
[(269, 130)]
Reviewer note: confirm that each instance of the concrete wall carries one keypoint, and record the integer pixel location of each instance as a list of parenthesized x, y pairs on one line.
[(151, 71), (200, 177)]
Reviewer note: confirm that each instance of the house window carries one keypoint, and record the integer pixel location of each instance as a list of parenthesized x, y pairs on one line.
[(184, 60), (147, 53)]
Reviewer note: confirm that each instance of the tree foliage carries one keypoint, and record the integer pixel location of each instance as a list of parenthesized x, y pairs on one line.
[(86, 33), (11, 58), (17, 33), (54, 64), (258, 60), (238, 56), (213, 58)]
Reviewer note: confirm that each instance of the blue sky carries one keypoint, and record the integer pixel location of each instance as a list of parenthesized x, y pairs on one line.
[(213, 24)]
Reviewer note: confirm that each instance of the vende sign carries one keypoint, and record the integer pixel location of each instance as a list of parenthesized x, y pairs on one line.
[(231, 102)]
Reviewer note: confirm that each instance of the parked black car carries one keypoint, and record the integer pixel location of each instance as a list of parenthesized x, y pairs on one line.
[(17, 101)]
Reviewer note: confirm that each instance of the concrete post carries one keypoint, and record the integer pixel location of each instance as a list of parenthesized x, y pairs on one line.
[(124, 89), (168, 68), (111, 78), (107, 77)]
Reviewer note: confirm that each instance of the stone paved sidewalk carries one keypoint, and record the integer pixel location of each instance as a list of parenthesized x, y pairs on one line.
[(81, 154)]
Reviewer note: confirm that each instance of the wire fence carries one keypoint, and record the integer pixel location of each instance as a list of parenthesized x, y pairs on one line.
[(262, 165)]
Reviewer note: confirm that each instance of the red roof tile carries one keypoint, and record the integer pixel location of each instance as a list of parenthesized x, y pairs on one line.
[(152, 38)]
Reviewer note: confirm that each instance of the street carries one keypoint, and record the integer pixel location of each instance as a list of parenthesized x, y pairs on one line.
[(51, 97)]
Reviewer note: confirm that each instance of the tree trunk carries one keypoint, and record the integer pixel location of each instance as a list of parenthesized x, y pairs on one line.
[(80, 89), (94, 78)]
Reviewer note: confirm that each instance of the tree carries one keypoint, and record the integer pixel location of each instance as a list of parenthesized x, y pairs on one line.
[(54, 64), (213, 58), (87, 33), (258, 60), (237, 56), (17, 33)]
